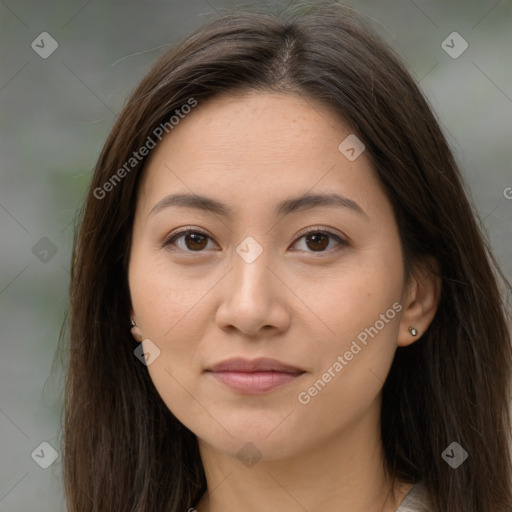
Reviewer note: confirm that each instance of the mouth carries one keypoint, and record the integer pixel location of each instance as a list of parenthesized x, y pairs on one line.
[(254, 377)]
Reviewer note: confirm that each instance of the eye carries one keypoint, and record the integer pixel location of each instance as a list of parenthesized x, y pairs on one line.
[(319, 239), (191, 240), (194, 240)]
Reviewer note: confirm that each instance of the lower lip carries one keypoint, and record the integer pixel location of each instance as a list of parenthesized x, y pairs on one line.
[(254, 383)]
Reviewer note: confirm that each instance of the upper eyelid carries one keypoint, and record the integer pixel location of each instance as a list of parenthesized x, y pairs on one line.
[(324, 230)]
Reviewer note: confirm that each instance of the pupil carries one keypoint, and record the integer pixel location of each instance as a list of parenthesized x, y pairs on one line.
[(193, 241), (317, 239)]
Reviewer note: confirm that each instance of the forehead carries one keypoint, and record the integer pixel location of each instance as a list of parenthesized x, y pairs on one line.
[(253, 147), (264, 125)]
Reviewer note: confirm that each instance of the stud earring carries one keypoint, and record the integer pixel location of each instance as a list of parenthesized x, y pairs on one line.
[(136, 333), (413, 331)]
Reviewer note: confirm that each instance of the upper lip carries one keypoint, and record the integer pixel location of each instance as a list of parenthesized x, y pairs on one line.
[(262, 364)]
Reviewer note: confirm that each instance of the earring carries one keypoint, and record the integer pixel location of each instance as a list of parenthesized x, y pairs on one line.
[(413, 331), (136, 333)]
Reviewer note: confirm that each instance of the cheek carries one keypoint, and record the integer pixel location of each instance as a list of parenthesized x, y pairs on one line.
[(355, 297), (172, 311), (169, 310), (362, 307), (164, 299)]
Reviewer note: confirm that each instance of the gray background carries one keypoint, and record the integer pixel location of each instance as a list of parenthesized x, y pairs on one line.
[(55, 116)]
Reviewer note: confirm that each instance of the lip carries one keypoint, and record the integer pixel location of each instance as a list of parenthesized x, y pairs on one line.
[(254, 376)]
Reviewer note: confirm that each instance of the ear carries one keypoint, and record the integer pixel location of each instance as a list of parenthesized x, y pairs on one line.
[(423, 293), (136, 332)]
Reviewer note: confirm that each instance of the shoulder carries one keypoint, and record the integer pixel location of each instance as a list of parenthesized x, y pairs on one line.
[(417, 500)]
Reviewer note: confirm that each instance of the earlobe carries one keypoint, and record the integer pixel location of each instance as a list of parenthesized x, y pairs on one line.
[(136, 332), (423, 296)]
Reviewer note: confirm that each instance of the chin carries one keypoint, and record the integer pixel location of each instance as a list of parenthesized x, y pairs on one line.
[(255, 434)]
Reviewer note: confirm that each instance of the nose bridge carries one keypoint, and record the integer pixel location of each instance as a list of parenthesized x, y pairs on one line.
[(250, 275), (251, 300)]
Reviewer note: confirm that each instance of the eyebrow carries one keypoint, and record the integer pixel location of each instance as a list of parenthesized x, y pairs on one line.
[(305, 202)]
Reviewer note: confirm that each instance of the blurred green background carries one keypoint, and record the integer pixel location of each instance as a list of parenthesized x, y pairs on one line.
[(56, 111)]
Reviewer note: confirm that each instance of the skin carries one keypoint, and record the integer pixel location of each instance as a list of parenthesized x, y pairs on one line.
[(292, 303)]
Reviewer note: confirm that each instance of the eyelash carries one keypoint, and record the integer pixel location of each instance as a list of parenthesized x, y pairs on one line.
[(178, 234)]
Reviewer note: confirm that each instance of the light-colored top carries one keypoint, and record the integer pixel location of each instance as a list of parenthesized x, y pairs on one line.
[(416, 500)]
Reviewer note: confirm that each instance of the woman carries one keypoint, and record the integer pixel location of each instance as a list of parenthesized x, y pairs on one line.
[(280, 296)]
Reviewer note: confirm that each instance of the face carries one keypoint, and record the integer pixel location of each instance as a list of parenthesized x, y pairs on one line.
[(248, 264)]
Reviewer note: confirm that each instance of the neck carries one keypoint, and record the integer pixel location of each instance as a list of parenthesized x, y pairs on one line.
[(344, 472)]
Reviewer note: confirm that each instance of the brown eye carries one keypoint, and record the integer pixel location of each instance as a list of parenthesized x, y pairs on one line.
[(189, 240), (317, 241), (195, 241)]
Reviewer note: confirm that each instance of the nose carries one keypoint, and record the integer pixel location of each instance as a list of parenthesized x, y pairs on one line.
[(254, 299)]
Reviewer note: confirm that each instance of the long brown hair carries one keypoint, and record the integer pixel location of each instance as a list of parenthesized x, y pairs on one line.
[(123, 449)]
